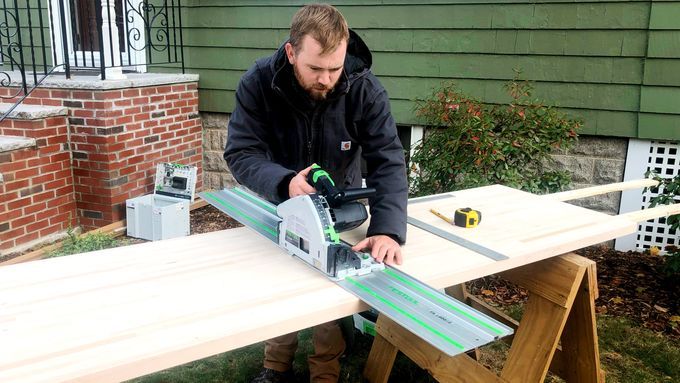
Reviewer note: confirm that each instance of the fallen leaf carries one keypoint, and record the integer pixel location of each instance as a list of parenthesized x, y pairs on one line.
[(660, 309), (641, 289), (675, 318), (612, 355), (488, 293), (654, 250), (616, 300)]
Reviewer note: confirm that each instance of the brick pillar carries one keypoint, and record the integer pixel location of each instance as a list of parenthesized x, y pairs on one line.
[(36, 191), (118, 137)]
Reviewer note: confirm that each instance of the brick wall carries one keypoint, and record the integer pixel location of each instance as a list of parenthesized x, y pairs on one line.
[(118, 137), (101, 151), (36, 192), (117, 132)]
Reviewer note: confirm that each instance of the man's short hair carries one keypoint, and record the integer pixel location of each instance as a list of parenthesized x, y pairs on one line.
[(323, 22)]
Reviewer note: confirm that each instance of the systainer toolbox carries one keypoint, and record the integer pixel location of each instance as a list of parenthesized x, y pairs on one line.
[(165, 213)]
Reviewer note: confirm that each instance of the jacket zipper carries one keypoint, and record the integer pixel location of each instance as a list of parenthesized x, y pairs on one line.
[(314, 138)]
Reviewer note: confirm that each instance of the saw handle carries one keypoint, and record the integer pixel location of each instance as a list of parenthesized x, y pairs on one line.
[(323, 183)]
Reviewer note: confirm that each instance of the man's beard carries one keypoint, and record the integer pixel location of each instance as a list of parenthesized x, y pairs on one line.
[(317, 91)]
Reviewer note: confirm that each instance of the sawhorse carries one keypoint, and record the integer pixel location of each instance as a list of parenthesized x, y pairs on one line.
[(557, 331)]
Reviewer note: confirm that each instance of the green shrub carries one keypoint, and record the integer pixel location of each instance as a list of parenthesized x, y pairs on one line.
[(668, 192), (471, 144), (75, 244)]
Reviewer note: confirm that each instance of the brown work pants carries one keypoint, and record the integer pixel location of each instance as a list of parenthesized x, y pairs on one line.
[(324, 364)]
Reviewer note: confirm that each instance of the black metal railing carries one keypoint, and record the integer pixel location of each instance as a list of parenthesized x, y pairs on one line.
[(41, 37)]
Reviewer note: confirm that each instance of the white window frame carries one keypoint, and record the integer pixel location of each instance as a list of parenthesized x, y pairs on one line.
[(138, 56)]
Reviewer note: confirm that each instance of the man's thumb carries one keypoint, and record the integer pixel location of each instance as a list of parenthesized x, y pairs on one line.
[(306, 170)]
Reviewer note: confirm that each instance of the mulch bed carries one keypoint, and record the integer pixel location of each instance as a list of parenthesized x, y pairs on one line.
[(631, 285), (208, 219)]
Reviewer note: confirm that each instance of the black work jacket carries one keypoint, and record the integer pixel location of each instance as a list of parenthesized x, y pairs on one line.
[(276, 130)]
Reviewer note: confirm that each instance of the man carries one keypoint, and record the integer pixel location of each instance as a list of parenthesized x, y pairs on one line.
[(316, 101)]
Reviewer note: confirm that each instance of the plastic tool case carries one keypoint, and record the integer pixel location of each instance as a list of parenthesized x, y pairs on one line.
[(165, 213)]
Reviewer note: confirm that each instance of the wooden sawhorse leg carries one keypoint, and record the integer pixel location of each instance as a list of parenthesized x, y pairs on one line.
[(561, 307)]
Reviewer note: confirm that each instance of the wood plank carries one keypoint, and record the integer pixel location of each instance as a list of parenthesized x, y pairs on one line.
[(664, 44), (359, 15), (542, 324), (651, 213), (660, 99), (662, 72), (584, 74), (174, 310), (508, 41), (601, 189), (658, 126), (572, 90), (551, 278), (380, 360), (115, 314), (580, 351), (517, 227), (535, 341), (664, 15)]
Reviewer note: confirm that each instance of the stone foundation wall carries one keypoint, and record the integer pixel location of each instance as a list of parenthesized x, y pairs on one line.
[(216, 175), (595, 161)]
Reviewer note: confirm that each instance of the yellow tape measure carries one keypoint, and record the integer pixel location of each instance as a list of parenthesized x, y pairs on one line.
[(465, 217)]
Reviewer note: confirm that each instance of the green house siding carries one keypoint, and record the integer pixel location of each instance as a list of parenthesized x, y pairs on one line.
[(38, 35), (660, 92), (613, 63)]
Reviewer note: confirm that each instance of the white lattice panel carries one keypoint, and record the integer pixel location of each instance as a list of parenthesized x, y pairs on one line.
[(664, 159)]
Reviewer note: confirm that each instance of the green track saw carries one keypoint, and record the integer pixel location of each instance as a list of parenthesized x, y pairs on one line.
[(308, 228)]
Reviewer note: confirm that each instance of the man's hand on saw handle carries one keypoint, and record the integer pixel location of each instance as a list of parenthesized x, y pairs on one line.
[(298, 185)]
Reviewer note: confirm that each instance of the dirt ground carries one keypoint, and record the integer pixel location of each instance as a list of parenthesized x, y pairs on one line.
[(630, 284)]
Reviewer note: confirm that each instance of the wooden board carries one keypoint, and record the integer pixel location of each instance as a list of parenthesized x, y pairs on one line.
[(115, 314), (523, 226)]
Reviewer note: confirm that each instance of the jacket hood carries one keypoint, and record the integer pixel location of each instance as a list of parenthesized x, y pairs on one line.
[(358, 61)]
